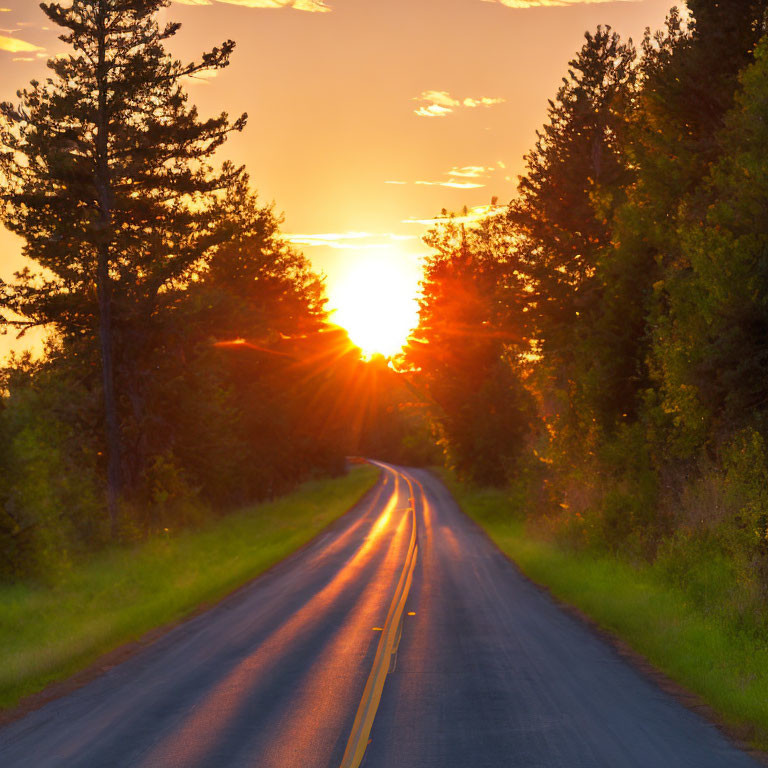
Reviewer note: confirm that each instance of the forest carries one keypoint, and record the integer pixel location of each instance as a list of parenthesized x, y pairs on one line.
[(598, 346), (190, 366)]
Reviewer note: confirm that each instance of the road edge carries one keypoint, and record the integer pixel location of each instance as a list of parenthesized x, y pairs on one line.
[(691, 701), (125, 651)]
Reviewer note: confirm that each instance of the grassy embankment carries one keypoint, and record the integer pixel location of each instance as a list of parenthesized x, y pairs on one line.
[(48, 633), (708, 652)]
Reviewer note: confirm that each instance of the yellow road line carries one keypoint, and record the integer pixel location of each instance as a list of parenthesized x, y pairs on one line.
[(390, 639)]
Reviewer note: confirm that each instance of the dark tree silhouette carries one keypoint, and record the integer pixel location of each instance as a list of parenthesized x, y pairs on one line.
[(107, 180), (576, 169), (465, 351)]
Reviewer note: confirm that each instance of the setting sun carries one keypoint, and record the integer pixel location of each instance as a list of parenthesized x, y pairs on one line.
[(375, 301)]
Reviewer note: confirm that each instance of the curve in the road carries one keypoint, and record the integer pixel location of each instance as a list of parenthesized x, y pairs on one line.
[(400, 637)]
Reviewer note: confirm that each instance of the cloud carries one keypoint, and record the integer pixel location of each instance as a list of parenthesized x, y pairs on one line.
[(552, 3), (476, 213), (334, 239), (14, 45), (459, 177), (313, 6), (441, 98), (349, 240), (484, 101), (433, 110), (451, 183), (470, 171), (441, 103)]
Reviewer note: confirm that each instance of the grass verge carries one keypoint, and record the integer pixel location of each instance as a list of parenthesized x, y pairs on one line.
[(706, 652), (49, 633)]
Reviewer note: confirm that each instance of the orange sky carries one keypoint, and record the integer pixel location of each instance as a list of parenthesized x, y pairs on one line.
[(347, 95)]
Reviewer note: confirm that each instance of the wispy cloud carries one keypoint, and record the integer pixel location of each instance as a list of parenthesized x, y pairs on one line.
[(441, 98), (433, 110), (441, 103), (14, 45), (451, 183), (349, 240), (476, 213), (552, 3), (470, 171), (459, 177), (313, 6), (483, 101)]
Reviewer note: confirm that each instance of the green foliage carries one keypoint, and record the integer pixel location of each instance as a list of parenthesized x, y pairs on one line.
[(687, 129), (50, 512), (665, 362), (623, 516), (575, 176), (107, 177), (725, 305), (745, 495)]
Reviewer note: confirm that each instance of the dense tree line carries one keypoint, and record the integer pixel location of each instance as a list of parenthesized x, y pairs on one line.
[(624, 291), (190, 366), (601, 343)]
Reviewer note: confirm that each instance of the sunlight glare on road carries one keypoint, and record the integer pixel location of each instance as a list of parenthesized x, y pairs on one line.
[(375, 301)]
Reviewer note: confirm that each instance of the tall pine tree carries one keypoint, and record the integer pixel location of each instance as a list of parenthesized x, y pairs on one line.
[(562, 216), (108, 178), (562, 224)]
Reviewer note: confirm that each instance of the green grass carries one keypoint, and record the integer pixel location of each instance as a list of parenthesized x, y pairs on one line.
[(703, 648), (48, 633)]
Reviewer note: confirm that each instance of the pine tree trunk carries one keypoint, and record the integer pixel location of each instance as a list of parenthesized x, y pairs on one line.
[(104, 285), (108, 381)]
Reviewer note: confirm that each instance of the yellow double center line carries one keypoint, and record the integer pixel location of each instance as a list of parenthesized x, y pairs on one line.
[(390, 637)]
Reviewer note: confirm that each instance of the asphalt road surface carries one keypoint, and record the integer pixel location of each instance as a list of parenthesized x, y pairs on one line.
[(402, 638)]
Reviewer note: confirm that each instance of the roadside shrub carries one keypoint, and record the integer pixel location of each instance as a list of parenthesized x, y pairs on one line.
[(697, 565), (718, 552), (745, 497), (49, 500), (172, 502), (607, 500)]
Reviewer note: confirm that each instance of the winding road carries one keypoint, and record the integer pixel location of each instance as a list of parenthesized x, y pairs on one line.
[(399, 638)]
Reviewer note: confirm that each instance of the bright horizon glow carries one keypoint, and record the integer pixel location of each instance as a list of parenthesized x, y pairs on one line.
[(375, 301), (341, 148)]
